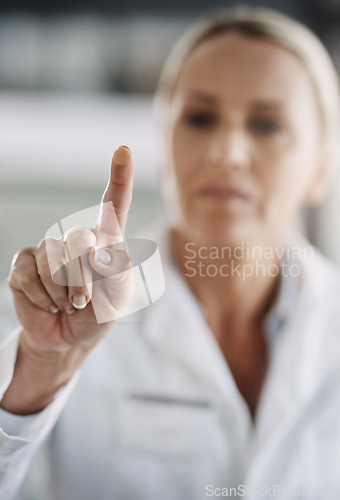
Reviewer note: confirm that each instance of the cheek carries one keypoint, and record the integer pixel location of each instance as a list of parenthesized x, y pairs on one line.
[(285, 178), (298, 161)]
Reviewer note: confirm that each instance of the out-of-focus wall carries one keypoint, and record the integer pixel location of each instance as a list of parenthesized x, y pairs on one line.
[(72, 89), (325, 222)]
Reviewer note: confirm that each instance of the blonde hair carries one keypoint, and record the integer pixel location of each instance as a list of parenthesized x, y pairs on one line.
[(267, 25)]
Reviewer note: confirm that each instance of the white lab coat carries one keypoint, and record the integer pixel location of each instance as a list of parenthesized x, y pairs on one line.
[(156, 413)]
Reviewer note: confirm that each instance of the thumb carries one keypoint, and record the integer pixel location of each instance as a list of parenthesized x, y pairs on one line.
[(113, 293), (110, 261)]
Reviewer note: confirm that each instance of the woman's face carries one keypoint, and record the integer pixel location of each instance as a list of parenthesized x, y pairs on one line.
[(243, 138)]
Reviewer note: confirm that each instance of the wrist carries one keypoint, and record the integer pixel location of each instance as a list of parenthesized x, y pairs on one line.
[(38, 377)]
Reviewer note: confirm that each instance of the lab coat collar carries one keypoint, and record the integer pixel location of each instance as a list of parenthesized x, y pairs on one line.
[(290, 285)]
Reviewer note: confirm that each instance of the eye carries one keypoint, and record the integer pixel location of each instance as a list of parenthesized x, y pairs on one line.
[(200, 120), (265, 126)]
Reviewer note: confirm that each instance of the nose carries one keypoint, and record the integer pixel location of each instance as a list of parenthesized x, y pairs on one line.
[(230, 149)]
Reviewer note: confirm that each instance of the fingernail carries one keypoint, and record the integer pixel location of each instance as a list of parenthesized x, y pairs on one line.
[(79, 301), (54, 309), (102, 256), (69, 310), (122, 155)]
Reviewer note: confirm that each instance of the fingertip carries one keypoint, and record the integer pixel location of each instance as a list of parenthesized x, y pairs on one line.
[(79, 301), (122, 156), (102, 256), (69, 310)]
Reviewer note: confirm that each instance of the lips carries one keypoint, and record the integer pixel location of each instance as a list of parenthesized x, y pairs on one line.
[(223, 193)]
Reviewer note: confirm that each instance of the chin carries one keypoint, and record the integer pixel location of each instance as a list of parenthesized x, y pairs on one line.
[(222, 232)]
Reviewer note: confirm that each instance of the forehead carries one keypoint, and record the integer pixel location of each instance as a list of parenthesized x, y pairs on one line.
[(236, 67)]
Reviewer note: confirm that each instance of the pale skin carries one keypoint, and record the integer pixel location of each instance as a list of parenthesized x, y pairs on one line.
[(244, 117)]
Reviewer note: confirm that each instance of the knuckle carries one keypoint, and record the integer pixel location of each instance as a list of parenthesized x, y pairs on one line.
[(13, 268), (28, 279), (42, 244), (19, 264), (80, 237), (48, 242), (15, 258), (54, 257), (44, 271), (20, 255)]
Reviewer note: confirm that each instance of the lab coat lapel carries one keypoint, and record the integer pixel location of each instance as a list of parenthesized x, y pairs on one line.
[(307, 354)]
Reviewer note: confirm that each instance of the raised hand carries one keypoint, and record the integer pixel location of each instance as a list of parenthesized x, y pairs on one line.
[(61, 324)]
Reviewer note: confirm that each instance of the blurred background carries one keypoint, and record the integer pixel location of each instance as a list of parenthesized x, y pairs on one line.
[(76, 81)]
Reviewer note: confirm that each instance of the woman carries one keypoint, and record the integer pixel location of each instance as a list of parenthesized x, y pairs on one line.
[(229, 384)]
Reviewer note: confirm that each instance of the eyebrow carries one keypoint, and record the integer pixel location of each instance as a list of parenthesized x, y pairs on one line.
[(273, 105), (268, 105), (201, 96)]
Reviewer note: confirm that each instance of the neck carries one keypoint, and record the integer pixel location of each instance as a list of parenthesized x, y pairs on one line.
[(237, 284)]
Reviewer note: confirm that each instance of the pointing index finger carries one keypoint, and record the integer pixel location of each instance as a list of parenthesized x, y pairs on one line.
[(117, 198)]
